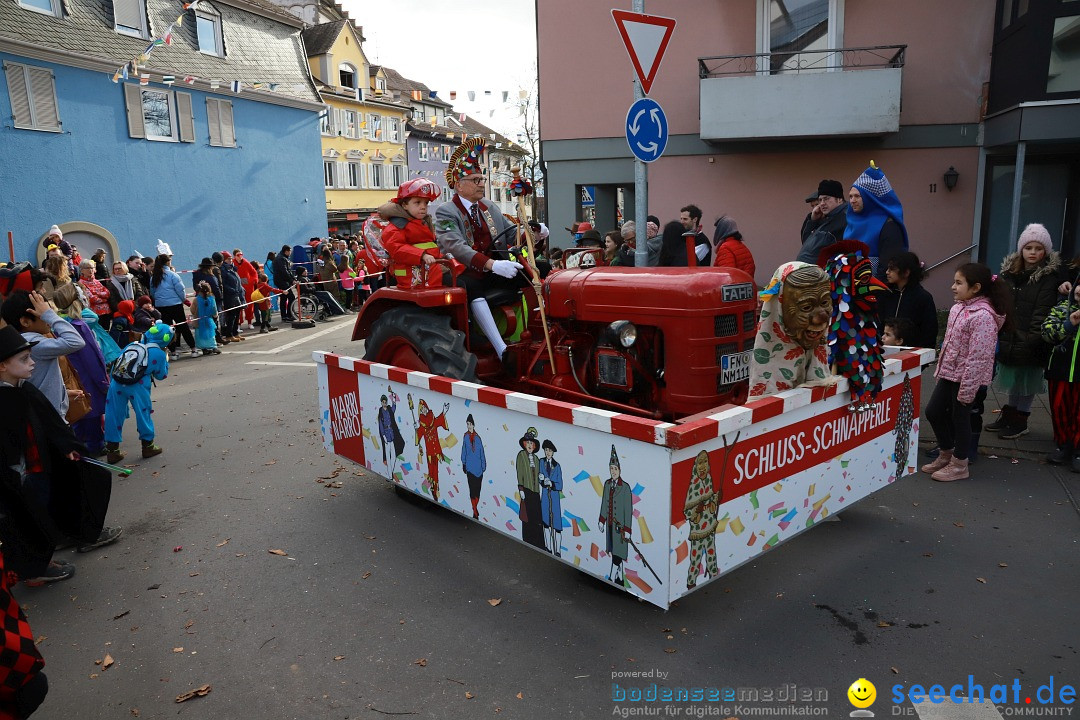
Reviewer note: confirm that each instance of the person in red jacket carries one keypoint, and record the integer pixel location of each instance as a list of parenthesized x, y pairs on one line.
[(249, 280), (731, 251), (409, 235)]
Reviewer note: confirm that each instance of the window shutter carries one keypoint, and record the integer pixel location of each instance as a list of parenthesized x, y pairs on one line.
[(361, 175), (185, 120), (133, 101), (127, 13), (20, 98), (341, 175), (43, 98), (213, 118), (228, 131)]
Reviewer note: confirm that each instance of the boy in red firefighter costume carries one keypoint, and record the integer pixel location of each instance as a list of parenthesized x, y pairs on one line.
[(427, 430), (409, 235)]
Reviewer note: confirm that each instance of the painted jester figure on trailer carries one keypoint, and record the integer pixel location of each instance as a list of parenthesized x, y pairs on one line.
[(427, 431), (616, 512)]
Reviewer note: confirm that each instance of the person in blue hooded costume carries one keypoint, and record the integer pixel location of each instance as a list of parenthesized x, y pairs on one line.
[(137, 394), (876, 217)]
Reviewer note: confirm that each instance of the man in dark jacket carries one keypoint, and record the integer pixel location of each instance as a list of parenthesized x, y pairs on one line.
[(284, 279), (233, 291), (825, 223)]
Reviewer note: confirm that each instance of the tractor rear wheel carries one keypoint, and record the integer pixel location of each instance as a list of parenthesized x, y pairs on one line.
[(416, 339)]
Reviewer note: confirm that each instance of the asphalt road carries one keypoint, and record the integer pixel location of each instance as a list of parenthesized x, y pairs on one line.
[(379, 605)]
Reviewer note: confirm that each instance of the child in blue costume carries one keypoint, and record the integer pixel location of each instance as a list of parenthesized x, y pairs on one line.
[(206, 310), (156, 339)]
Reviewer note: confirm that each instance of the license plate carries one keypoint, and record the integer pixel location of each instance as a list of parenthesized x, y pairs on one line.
[(735, 367)]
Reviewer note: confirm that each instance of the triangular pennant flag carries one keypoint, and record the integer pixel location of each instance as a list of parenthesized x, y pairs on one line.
[(124, 72), (417, 95), (237, 86), (179, 20), (168, 79), (472, 95), (453, 94), (215, 84), (506, 95), (522, 94), (168, 37), (487, 92), (189, 79), (461, 117), (144, 80), (360, 94), (433, 94), (116, 76)]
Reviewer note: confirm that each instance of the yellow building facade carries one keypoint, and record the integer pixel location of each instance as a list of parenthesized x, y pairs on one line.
[(363, 129)]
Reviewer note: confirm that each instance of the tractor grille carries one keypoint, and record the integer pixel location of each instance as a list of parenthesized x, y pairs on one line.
[(748, 343), (612, 369), (749, 320), (726, 349), (721, 388), (725, 325)]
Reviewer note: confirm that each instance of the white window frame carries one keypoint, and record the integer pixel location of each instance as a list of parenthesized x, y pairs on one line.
[(350, 123), (329, 174), (422, 150), (374, 124), (446, 153), (219, 38), (139, 8), (355, 172), (835, 35), (378, 175), (380, 85), (397, 171), (24, 78), (57, 8), (347, 66), (326, 122), (219, 114), (394, 128), (170, 99)]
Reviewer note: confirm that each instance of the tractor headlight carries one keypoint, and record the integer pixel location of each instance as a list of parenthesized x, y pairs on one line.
[(622, 332)]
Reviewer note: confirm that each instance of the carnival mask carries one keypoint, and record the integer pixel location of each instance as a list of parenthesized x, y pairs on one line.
[(807, 306)]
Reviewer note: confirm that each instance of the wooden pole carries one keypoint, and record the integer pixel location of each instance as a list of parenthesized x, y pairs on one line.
[(536, 273)]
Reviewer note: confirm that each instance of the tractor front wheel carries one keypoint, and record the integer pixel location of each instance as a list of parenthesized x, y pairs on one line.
[(416, 339)]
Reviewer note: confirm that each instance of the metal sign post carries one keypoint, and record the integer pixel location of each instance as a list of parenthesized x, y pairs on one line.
[(646, 38)]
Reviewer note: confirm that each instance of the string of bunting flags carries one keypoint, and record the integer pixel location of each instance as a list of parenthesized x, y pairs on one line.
[(131, 69)]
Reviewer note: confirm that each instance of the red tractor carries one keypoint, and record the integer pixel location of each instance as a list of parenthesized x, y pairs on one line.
[(663, 343)]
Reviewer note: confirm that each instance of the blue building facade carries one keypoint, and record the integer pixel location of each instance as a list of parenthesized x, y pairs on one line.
[(120, 165)]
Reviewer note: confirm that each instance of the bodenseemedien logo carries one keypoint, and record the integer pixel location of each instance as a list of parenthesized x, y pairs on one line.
[(862, 695)]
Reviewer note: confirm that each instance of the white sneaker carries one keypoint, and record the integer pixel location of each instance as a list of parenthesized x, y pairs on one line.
[(195, 352), (174, 356)]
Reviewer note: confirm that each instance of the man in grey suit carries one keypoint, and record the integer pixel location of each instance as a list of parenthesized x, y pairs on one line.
[(473, 231)]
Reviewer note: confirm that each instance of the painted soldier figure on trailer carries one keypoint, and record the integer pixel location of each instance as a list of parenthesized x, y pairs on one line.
[(388, 427), (616, 513), (551, 485), (702, 501), (427, 430), (527, 465), (473, 462)]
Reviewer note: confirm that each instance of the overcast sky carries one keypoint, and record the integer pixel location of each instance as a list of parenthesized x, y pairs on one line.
[(425, 41)]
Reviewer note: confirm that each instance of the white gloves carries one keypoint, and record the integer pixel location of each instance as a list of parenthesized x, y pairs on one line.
[(506, 268)]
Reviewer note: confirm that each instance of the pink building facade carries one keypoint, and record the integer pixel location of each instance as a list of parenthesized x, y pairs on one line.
[(751, 136)]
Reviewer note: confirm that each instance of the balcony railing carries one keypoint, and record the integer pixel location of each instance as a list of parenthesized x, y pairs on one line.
[(803, 61)]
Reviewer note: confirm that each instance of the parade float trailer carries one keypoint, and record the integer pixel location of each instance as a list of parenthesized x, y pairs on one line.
[(678, 501)]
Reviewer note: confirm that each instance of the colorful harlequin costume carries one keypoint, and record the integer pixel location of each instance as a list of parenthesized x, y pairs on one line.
[(427, 429), (702, 501), (854, 334), (156, 339), (779, 362)]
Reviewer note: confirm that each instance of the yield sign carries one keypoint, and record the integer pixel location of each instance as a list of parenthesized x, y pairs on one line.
[(646, 38)]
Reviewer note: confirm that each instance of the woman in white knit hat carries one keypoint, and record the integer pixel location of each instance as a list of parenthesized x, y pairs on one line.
[(1032, 273)]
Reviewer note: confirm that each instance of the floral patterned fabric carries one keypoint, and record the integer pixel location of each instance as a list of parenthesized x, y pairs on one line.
[(779, 362)]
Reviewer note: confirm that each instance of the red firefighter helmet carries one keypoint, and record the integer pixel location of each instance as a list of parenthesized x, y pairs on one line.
[(417, 187)]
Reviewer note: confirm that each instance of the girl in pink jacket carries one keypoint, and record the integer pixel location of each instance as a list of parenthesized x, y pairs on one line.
[(965, 365)]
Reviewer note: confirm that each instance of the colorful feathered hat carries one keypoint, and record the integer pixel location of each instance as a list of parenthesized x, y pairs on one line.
[(465, 161)]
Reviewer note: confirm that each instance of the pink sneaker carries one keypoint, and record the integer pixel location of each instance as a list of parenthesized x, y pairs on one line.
[(957, 469), (939, 462)]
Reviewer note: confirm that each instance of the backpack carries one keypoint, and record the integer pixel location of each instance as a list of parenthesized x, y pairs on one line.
[(131, 365)]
